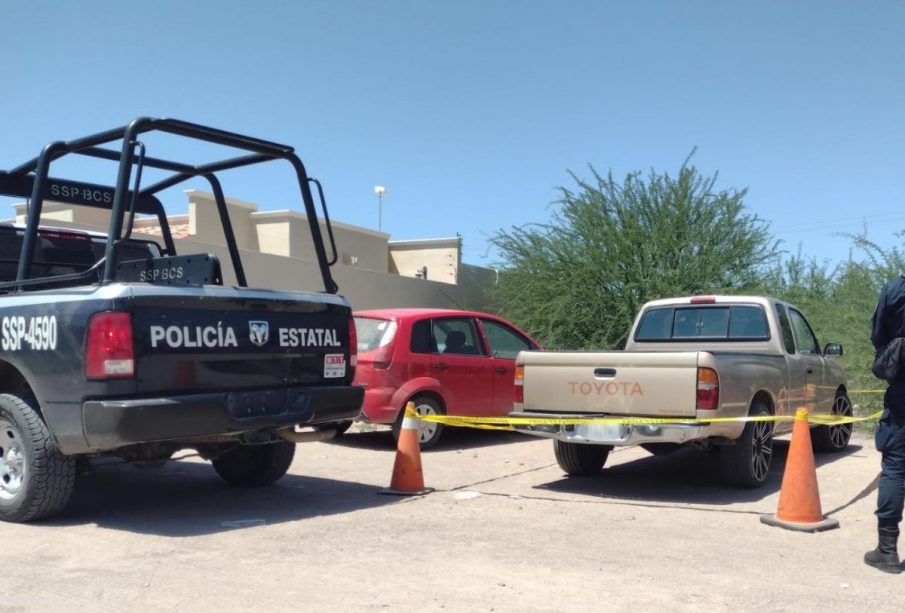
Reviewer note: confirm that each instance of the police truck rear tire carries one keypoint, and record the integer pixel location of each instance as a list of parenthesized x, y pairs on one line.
[(36, 480), (255, 465), (579, 459)]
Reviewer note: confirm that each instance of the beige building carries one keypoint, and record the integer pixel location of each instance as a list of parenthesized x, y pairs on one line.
[(277, 252)]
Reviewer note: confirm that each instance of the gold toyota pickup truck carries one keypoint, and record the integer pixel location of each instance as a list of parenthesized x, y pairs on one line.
[(700, 357)]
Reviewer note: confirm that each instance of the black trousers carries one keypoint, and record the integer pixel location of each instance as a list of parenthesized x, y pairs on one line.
[(890, 441)]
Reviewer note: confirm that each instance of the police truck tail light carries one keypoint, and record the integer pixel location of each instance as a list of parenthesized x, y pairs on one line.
[(520, 384), (353, 348), (353, 343), (708, 390), (108, 351)]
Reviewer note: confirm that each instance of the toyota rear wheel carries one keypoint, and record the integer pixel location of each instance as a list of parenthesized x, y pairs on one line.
[(832, 439), (747, 462), (580, 459)]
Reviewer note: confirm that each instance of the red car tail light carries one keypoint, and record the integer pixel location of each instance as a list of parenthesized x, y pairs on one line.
[(109, 353), (708, 390), (384, 356), (520, 384), (383, 359)]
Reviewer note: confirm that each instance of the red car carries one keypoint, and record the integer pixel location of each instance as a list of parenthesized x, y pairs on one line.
[(445, 361)]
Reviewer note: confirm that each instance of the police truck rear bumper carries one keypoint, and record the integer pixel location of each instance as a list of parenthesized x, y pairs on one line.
[(111, 423)]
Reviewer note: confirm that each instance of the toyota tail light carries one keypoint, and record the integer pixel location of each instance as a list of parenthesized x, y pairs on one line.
[(519, 384), (708, 390)]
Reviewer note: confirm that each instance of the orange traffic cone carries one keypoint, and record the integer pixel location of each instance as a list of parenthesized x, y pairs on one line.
[(408, 479), (799, 498)]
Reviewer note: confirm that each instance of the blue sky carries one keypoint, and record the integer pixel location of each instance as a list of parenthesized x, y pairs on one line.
[(473, 112)]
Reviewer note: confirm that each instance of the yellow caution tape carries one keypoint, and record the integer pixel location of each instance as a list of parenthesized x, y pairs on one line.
[(832, 387), (505, 423)]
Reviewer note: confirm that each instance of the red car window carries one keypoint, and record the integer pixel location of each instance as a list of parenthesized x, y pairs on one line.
[(421, 341), (504, 341), (456, 336)]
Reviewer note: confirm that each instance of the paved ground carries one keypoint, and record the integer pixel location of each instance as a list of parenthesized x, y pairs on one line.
[(504, 531)]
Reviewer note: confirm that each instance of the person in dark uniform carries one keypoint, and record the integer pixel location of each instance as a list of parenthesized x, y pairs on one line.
[(888, 323)]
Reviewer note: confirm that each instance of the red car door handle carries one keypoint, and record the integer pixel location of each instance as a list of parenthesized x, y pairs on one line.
[(500, 370), (440, 366)]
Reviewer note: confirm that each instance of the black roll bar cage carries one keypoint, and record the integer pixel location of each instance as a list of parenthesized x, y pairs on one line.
[(32, 180)]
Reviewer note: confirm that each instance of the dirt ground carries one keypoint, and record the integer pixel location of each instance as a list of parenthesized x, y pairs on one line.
[(503, 530)]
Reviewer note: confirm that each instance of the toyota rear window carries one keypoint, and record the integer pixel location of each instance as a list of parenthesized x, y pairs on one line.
[(704, 323)]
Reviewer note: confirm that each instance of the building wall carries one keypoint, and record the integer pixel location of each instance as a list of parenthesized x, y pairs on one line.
[(277, 252), (91, 218), (365, 289), (358, 248), (435, 259), (285, 233), (204, 220), (275, 233)]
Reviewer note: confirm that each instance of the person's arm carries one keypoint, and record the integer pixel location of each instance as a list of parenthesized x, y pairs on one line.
[(878, 333)]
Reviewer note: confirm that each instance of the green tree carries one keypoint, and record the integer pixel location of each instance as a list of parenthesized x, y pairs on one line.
[(857, 291), (578, 280)]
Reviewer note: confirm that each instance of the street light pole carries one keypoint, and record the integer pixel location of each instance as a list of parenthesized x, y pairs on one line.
[(381, 191)]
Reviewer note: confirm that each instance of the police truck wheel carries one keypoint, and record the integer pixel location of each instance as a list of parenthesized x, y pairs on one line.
[(832, 439), (255, 465), (747, 462), (36, 480), (579, 459)]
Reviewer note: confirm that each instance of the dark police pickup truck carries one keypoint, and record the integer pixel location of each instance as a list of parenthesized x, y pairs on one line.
[(110, 345)]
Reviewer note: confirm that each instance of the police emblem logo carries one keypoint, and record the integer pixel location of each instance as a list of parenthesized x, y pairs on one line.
[(258, 332)]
